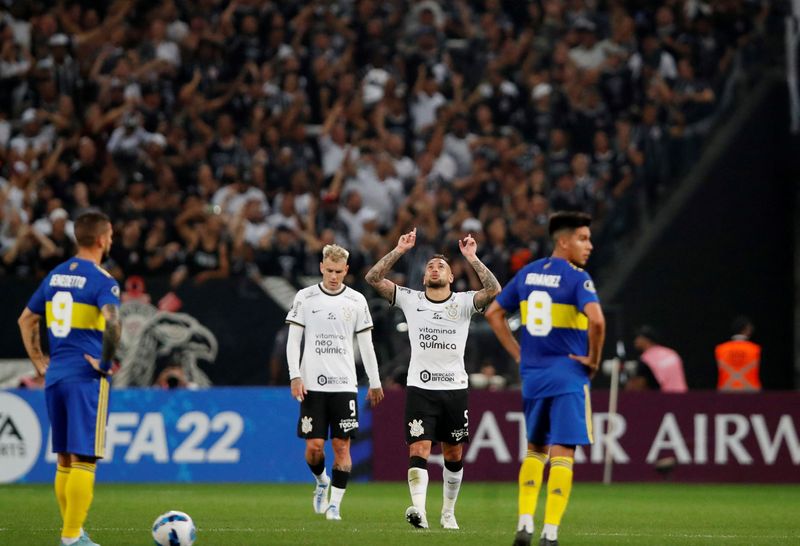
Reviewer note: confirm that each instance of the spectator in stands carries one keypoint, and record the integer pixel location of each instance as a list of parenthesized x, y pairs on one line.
[(659, 367), (154, 112)]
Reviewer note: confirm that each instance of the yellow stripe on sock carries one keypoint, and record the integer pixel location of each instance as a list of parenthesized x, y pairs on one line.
[(536, 455)]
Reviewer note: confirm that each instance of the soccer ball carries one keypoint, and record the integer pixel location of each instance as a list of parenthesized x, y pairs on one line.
[(174, 529)]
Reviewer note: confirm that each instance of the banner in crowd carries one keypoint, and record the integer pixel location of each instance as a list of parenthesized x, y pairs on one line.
[(212, 435), (693, 437)]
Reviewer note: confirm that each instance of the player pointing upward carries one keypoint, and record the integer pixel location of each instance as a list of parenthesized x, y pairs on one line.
[(329, 314), (81, 304), (560, 349), (436, 397)]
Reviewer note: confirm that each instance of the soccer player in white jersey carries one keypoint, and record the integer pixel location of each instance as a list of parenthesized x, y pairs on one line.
[(330, 314), (436, 395)]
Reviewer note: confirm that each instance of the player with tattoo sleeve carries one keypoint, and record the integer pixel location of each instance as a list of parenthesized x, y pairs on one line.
[(436, 396)]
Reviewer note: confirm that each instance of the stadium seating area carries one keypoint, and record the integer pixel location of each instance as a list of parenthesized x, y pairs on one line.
[(239, 137)]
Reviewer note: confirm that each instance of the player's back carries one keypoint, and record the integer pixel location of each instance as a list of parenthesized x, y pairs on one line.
[(71, 298), (552, 293)]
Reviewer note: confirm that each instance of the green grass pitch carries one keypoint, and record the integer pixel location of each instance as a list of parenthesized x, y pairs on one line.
[(372, 513)]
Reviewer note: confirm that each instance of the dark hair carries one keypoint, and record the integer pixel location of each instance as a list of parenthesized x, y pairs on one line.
[(740, 323), (442, 257), (568, 220), (89, 226), (649, 332)]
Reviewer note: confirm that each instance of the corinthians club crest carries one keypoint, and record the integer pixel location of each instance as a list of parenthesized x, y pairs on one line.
[(305, 424), (415, 428), (452, 310)]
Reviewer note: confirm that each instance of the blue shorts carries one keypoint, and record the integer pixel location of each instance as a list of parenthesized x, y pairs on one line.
[(565, 419), (78, 412)]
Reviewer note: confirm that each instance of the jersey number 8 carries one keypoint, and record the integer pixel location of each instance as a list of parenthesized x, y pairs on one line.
[(61, 309), (540, 313)]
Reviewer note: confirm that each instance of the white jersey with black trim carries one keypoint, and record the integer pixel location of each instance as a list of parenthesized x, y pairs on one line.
[(438, 333), (330, 322)]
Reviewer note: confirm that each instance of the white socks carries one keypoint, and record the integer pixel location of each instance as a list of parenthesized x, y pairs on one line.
[(526, 523), (550, 531), (418, 485), (336, 496), (452, 484)]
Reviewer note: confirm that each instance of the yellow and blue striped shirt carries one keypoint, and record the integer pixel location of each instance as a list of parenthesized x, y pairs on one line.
[(551, 294), (71, 298)]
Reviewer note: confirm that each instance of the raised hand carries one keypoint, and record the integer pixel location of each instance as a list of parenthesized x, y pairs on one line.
[(468, 246), (407, 241)]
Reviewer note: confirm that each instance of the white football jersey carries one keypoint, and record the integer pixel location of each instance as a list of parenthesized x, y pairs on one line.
[(438, 334), (330, 322)]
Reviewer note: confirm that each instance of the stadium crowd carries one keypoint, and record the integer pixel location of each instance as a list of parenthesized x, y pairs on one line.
[(239, 137)]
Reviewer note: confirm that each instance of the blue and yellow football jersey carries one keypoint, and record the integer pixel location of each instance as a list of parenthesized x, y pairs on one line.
[(551, 294), (71, 298)]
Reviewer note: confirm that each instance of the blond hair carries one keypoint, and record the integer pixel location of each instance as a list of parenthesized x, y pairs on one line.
[(335, 253)]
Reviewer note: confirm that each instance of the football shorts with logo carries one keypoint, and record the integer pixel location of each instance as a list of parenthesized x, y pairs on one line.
[(437, 415), (323, 413)]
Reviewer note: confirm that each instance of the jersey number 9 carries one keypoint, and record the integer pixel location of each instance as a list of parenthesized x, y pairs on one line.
[(61, 309)]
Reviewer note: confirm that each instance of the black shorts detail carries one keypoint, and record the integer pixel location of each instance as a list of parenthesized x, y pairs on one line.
[(439, 416), (324, 411)]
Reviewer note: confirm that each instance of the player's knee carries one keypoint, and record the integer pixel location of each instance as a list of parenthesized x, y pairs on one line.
[(420, 449), (315, 448), (341, 448), (452, 452)]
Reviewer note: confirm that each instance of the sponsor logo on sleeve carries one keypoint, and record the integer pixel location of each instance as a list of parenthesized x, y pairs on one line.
[(588, 285)]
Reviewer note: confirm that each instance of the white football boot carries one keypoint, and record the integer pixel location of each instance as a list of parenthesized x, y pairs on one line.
[(448, 520), (321, 497)]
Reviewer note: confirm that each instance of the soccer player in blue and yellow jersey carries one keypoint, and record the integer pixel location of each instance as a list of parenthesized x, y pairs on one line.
[(80, 302), (559, 350)]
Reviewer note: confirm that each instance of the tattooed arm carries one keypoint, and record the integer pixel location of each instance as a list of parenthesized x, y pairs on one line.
[(29, 328), (491, 287), (111, 337), (376, 276)]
